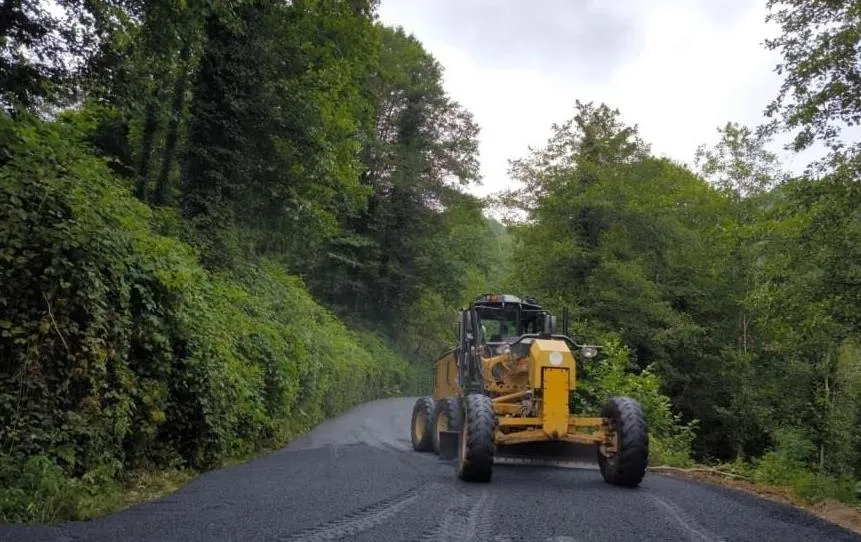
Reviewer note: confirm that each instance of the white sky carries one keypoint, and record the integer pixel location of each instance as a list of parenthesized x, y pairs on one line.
[(676, 68)]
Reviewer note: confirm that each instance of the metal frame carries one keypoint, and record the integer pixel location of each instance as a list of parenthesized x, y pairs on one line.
[(470, 377)]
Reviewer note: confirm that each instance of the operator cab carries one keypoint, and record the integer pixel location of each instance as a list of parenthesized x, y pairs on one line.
[(503, 319)]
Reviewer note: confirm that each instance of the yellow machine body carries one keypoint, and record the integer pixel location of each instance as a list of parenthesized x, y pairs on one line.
[(530, 394), (503, 393)]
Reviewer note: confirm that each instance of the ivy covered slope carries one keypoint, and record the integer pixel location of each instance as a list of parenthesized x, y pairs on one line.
[(182, 184), (121, 352)]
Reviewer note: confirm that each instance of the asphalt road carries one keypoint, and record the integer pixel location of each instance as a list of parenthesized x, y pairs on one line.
[(356, 478)]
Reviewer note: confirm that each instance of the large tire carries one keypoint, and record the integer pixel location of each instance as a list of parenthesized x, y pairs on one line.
[(447, 417), (477, 446), (421, 424), (628, 466)]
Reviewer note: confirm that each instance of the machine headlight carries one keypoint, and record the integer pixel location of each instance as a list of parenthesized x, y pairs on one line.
[(588, 352), (556, 358)]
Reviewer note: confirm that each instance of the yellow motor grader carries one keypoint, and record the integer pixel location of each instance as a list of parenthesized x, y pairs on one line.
[(503, 394)]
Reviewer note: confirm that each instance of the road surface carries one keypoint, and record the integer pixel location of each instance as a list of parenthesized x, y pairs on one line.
[(356, 478)]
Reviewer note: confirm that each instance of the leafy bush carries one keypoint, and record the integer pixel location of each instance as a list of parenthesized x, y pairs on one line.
[(779, 469), (34, 490), (119, 351), (789, 464), (611, 375), (673, 449)]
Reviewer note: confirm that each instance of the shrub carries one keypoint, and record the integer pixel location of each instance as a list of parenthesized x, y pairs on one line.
[(789, 465), (611, 375), (119, 351)]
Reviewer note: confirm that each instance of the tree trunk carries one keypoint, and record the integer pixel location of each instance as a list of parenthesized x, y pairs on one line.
[(177, 105), (827, 420), (147, 143)]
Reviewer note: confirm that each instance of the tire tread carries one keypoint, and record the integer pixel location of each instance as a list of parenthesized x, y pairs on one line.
[(480, 445), (633, 454), (424, 406)]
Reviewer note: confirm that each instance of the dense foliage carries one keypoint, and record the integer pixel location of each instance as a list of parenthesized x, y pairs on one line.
[(736, 283), (178, 196), (223, 222), (121, 352)]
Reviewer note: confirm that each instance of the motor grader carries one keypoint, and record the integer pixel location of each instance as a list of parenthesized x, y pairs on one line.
[(504, 394)]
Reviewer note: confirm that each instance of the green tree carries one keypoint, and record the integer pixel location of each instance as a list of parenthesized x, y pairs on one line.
[(640, 247), (806, 300), (820, 93), (272, 131), (740, 165), (808, 284), (421, 152)]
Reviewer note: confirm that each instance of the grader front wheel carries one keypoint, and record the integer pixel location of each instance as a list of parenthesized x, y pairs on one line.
[(624, 458), (476, 446)]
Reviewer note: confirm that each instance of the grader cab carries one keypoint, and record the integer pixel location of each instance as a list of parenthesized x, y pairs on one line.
[(503, 394)]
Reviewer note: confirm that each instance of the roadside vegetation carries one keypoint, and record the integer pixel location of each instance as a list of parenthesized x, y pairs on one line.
[(733, 282), (216, 234), (223, 223)]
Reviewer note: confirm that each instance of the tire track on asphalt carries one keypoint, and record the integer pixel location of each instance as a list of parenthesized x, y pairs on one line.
[(684, 520), (469, 518), (357, 521)]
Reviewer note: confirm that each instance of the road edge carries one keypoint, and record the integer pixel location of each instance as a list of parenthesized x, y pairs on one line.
[(832, 511)]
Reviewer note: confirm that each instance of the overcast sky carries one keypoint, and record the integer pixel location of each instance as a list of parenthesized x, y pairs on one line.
[(676, 68)]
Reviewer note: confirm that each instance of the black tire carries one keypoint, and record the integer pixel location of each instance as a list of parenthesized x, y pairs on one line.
[(447, 417), (628, 466), (477, 436), (421, 424)]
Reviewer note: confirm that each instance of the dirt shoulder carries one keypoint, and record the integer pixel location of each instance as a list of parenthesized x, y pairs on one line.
[(838, 513)]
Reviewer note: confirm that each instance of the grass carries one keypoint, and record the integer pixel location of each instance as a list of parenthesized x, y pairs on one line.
[(38, 492), (140, 487)]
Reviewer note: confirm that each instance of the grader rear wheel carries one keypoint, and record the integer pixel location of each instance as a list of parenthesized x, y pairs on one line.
[(422, 424), (447, 417), (475, 454), (624, 462)]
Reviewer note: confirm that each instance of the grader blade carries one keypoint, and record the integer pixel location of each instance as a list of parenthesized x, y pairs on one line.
[(448, 442), (559, 454)]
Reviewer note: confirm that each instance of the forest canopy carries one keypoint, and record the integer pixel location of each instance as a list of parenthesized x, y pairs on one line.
[(224, 222)]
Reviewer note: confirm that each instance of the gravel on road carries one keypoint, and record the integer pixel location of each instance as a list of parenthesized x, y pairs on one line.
[(356, 478)]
